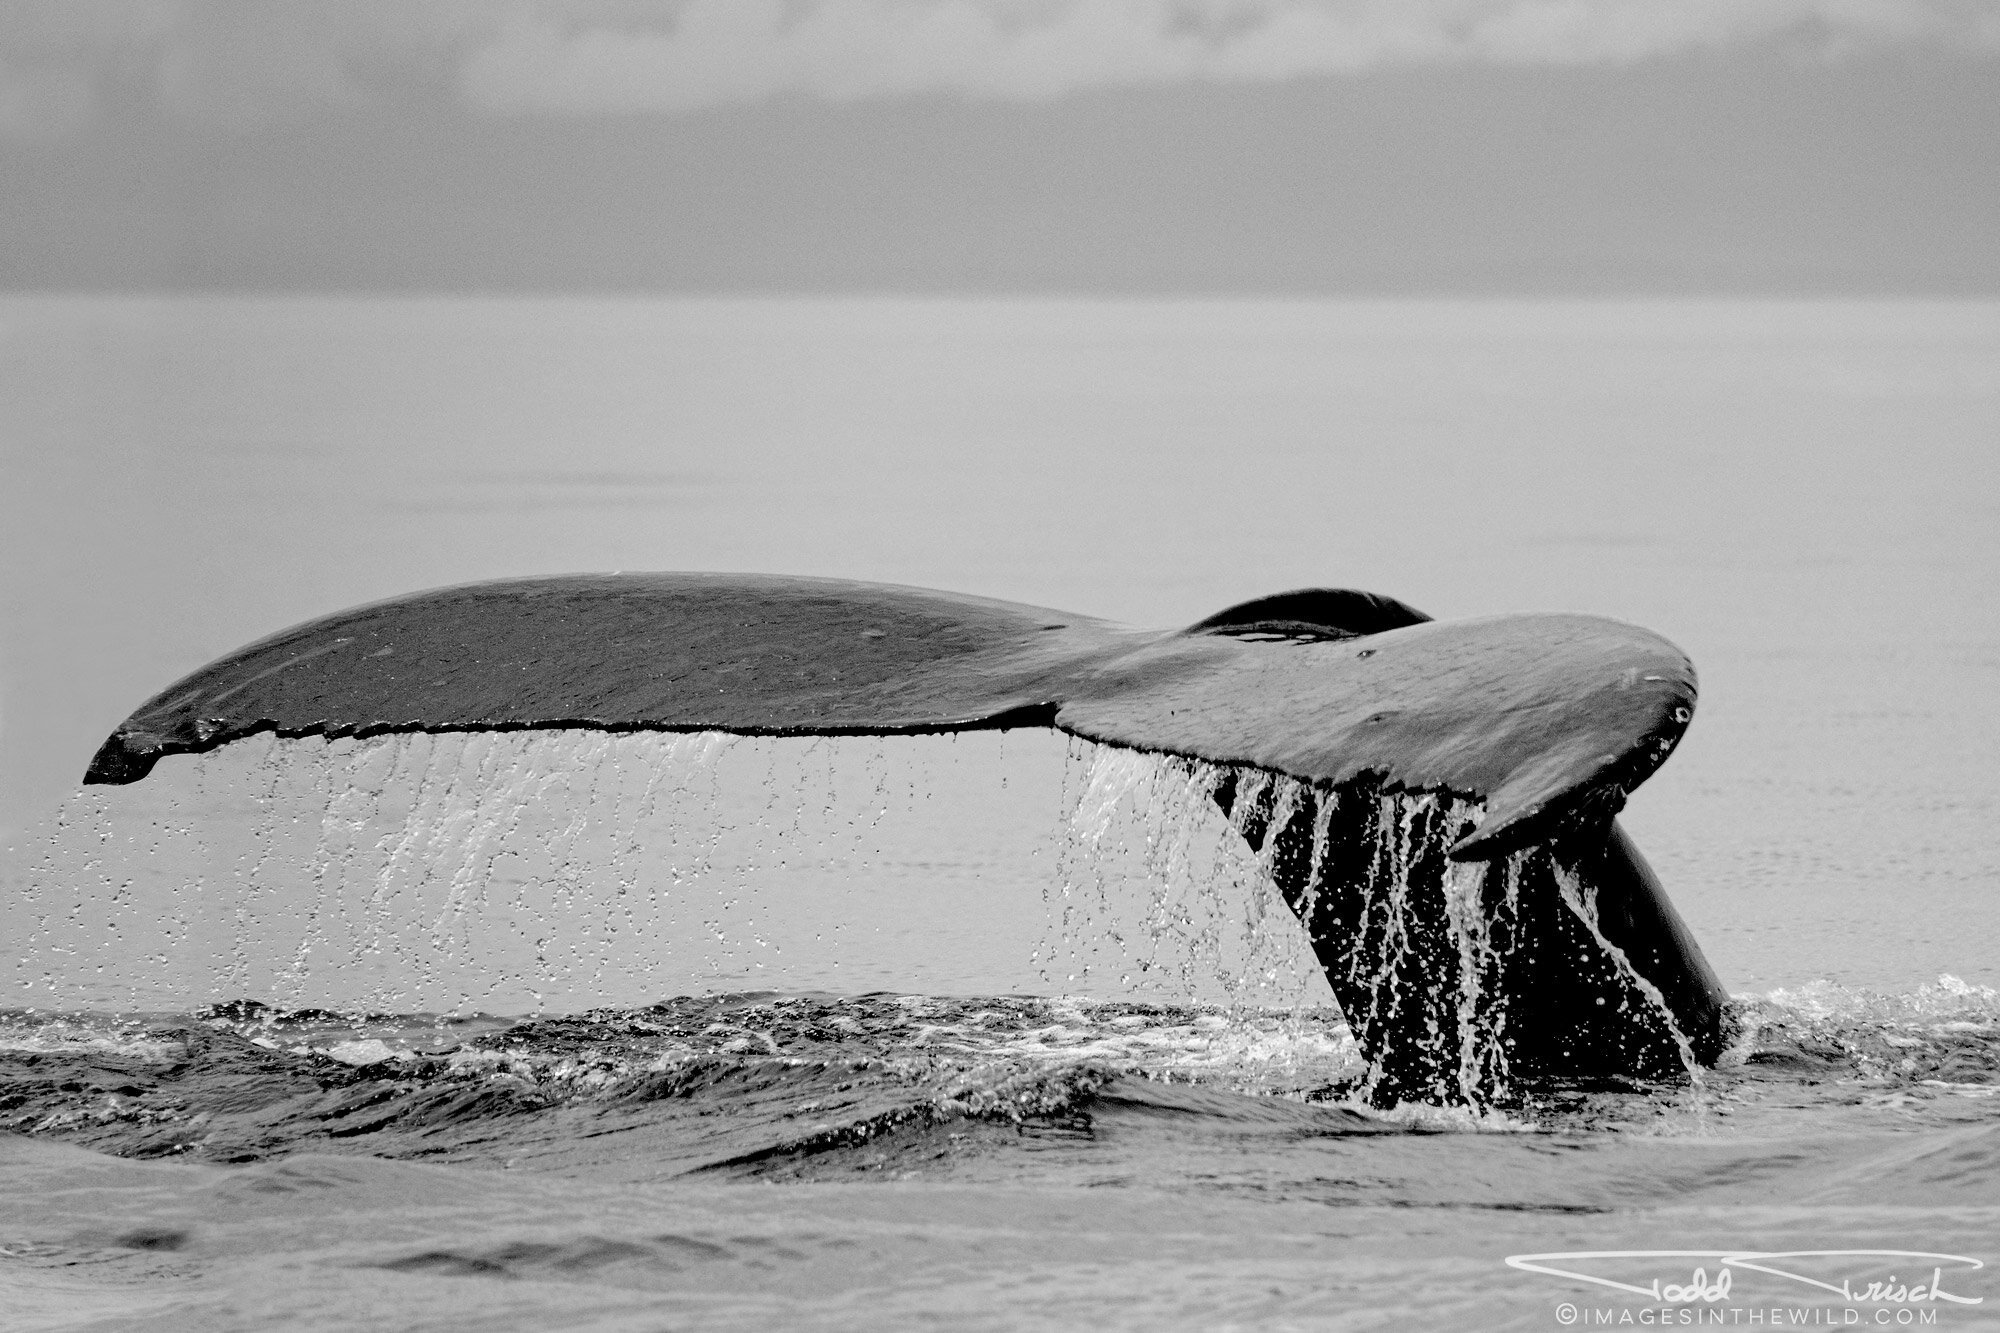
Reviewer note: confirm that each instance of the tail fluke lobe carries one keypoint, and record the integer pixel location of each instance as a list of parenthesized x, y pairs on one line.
[(1544, 718)]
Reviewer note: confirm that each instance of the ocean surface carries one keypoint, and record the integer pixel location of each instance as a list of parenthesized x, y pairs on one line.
[(563, 1030)]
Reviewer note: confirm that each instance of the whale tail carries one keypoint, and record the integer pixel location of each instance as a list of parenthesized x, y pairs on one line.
[(1532, 727)]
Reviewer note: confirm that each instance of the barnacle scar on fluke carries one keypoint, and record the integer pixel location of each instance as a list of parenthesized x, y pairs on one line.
[(1435, 800)]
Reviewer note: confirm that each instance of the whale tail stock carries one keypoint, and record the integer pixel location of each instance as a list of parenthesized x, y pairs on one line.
[(1535, 727), (1459, 981)]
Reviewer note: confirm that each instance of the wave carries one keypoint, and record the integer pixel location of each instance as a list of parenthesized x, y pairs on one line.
[(766, 1083), (1945, 1032)]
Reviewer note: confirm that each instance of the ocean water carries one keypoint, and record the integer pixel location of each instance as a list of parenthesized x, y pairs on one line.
[(1004, 1030)]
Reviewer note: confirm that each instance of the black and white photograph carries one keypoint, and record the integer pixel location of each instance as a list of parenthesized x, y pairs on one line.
[(999, 665)]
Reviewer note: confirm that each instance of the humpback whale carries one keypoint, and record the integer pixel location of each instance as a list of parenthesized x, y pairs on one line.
[(1445, 828)]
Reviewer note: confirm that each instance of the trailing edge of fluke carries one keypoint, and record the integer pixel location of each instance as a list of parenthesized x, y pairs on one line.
[(1546, 719)]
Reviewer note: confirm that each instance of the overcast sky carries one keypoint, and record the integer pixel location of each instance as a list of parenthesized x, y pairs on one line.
[(1013, 145)]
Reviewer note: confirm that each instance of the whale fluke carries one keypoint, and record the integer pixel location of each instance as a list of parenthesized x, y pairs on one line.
[(1542, 717), (1543, 723)]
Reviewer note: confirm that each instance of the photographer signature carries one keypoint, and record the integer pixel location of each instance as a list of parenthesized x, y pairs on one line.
[(1701, 1287)]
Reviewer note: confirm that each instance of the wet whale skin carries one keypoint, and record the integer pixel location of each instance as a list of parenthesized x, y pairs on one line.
[(1545, 722)]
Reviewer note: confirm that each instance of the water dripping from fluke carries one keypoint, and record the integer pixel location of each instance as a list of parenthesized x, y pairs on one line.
[(1435, 806), (1463, 984)]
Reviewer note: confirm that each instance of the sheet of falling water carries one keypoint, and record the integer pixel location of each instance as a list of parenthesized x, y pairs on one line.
[(553, 871)]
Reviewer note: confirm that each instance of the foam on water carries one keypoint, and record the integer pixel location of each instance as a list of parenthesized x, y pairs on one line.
[(1944, 1035), (73, 1033), (1948, 1001), (739, 1077)]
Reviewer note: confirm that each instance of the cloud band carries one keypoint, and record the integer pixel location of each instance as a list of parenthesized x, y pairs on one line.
[(249, 62)]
